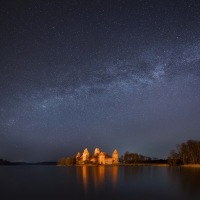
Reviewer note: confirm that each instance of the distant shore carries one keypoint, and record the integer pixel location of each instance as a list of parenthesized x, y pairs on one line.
[(8, 163)]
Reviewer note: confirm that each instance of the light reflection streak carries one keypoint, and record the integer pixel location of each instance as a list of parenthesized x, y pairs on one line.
[(96, 177)]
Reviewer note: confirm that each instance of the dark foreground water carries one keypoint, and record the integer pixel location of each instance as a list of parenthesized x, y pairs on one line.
[(101, 182)]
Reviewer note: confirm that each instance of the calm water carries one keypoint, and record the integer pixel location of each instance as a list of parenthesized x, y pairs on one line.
[(101, 182)]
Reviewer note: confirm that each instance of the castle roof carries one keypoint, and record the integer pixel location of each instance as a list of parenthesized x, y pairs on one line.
[(86, 150), (115, 152), (104, 154), (96, 151), (78, 154)]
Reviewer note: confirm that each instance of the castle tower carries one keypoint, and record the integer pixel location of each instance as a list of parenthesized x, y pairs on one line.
[(97, 151), (101, 159), (115, 157), (86, 154), (78, 155)]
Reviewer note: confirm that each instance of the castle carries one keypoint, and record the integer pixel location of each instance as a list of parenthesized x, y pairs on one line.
[(97, 158)]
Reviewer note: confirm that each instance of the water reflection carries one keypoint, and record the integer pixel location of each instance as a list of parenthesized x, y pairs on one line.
[(132, 181), (95, 178), (99, 182), (188, 179), (114, 175), (85, 179)]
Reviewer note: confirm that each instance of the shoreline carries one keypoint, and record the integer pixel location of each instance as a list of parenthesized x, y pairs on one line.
[(191, 165), (137, 165), (145, 164)]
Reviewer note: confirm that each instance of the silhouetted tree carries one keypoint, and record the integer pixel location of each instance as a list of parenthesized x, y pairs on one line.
[(187, 153), (126, 157), (121, 160), (135, 157), (130, 158), (173, 158), (141, 158), (154, 158)]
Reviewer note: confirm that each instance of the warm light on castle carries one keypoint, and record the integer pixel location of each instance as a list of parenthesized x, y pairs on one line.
[(97, 158)]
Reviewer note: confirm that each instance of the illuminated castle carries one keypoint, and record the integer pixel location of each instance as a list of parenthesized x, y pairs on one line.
[(97, 158)]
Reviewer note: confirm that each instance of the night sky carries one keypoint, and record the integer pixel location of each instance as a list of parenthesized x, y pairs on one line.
[(98, 73)]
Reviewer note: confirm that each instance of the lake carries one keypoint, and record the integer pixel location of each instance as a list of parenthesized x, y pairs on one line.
[(99, 182)]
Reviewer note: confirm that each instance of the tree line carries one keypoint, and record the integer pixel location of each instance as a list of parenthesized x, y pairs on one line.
[(133, 158), (185, 153), (4, 162), (67, 161)]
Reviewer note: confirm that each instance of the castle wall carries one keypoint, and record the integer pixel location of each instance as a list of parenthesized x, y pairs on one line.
[(108, 161)]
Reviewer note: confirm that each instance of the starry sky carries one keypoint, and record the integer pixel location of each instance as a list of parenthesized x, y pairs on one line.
[(98, 73)]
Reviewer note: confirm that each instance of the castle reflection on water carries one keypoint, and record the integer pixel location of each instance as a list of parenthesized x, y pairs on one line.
[(96, 177)]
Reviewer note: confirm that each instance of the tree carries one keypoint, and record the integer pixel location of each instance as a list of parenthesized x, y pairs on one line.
[(126, 157), (70, 161), (189, 152), (130, 157), (135, 157), (121, 160), (155, 158), (173, 158), (61, 161), (193, 151), (141, 158)]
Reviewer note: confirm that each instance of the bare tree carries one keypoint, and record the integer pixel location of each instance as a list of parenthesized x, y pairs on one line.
[(188, 153), (173, 158), (126, 157), (135, 157)]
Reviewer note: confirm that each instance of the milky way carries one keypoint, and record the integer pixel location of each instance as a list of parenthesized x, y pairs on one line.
[(98, 74)]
